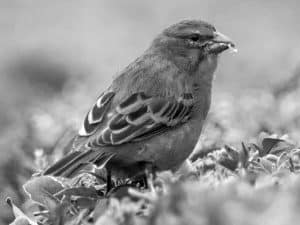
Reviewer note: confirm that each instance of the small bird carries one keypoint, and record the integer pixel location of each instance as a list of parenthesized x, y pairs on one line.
[(152, 114)]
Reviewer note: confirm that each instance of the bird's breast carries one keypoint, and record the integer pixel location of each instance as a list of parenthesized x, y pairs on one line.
[(165, 151)]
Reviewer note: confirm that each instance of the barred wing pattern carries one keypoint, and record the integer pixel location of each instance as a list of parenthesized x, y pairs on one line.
[(134, 119), (96, 114)]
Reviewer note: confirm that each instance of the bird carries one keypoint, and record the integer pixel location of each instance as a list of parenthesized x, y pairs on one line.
[(152, 114)]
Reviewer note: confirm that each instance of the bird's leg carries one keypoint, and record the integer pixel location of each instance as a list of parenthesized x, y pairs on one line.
[(145, 181), (150, 176), (108, 181)]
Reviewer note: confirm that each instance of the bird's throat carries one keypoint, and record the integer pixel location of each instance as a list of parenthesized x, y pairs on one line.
[(202, 85), (204, 74)]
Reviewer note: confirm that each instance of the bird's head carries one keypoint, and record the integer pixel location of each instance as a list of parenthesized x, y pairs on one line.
[(192, 41)]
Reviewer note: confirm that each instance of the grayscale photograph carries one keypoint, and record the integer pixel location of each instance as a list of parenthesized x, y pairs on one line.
[(149, 112)]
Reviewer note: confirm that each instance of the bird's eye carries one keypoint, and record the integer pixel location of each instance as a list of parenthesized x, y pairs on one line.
[(195, 37)]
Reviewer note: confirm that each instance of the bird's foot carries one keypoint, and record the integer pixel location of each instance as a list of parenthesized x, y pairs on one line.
[(149, 176)]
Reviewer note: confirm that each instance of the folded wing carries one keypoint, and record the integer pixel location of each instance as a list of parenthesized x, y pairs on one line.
[(138, 117)]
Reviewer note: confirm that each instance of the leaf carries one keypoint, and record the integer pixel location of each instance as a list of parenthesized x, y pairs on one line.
[(42, 191), (280, 147), (59, 211), (20, 217), (244, 156), (292, 166), (271, 158), (267, 145), (40, 188), (256, 147), (230, 159), (258, 167), (233, 153), (79, 191), (268, 165)]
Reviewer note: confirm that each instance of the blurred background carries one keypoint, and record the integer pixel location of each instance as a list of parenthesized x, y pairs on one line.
[(56, 57)]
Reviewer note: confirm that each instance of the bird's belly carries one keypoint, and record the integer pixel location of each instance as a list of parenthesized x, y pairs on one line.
[(164, 152)]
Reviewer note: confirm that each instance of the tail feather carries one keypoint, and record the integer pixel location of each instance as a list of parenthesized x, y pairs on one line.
[(74, 162), (60, 163)]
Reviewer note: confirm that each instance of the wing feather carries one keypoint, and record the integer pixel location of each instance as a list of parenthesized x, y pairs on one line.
[(139, 117), (96, 114)]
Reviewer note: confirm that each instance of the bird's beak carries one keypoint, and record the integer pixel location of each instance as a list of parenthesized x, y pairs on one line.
[(220, 43)]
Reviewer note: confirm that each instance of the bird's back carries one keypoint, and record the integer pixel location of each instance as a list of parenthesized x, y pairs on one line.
[(152, 74)]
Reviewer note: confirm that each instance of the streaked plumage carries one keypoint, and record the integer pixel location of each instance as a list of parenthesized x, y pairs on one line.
[(154, 110)]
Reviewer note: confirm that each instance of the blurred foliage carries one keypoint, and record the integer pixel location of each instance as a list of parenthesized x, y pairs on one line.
[(252, 184), (245, 167)]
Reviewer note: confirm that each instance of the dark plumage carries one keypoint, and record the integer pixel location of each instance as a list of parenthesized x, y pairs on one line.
[(153, 112)]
